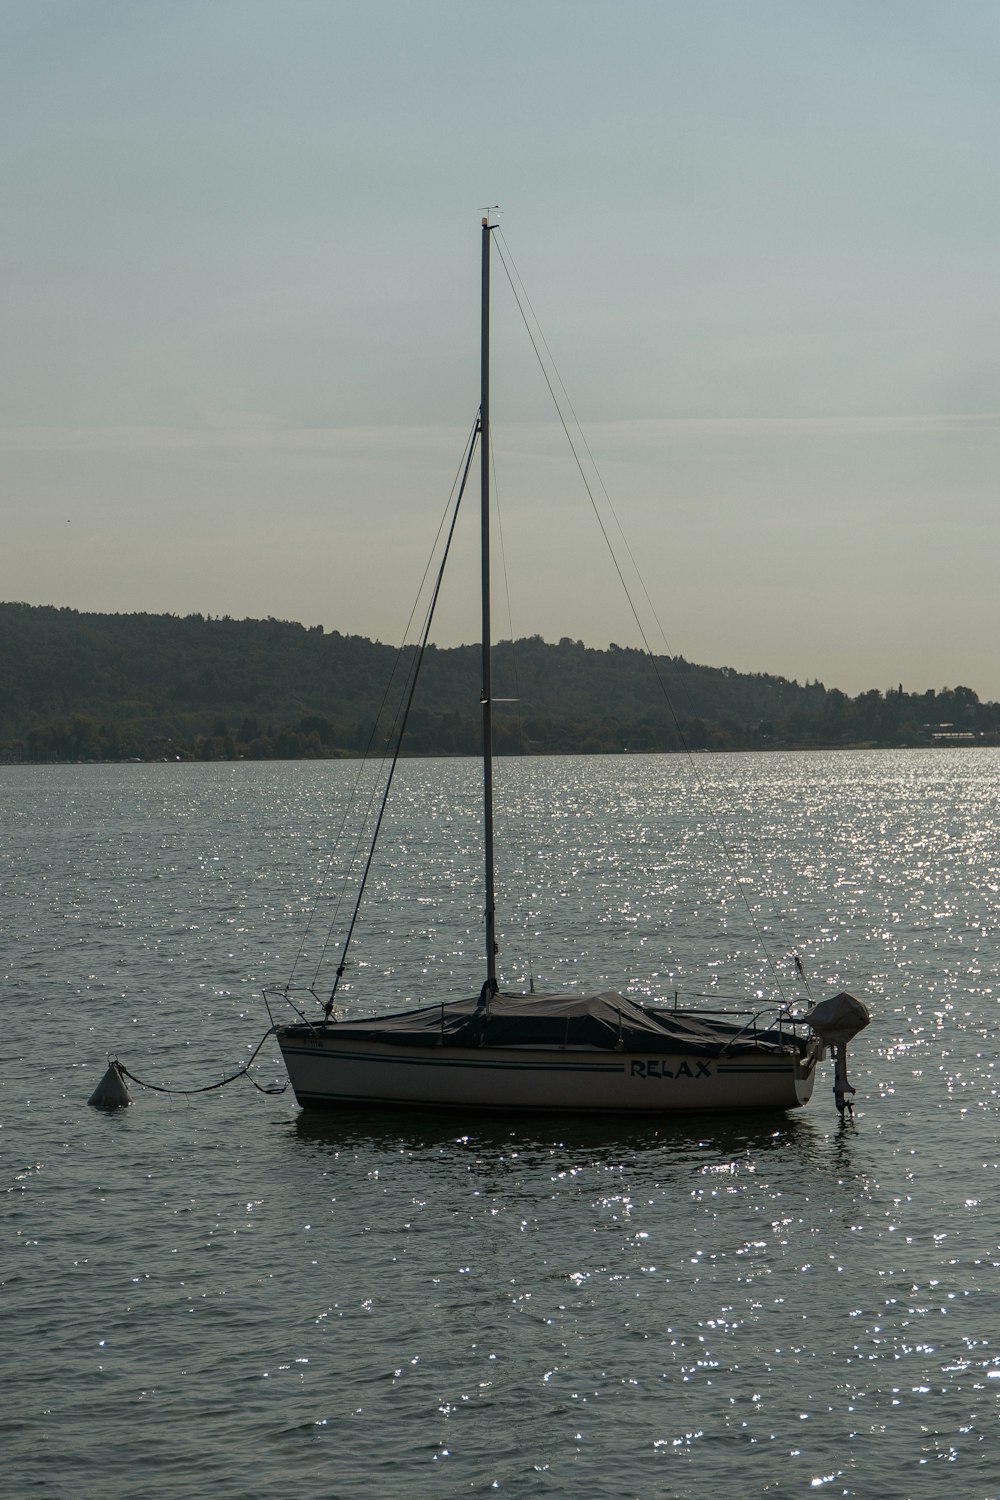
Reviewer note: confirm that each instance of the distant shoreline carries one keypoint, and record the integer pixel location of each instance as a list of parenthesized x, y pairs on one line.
[(118, 688), (987, 743)]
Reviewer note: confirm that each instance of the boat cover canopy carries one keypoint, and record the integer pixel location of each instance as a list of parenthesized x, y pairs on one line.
[(609, 1021)]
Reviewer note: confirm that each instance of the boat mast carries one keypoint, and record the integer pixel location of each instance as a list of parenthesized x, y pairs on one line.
[(490, 987)]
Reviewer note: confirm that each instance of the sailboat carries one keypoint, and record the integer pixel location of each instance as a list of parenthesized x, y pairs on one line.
[(598, 1054)]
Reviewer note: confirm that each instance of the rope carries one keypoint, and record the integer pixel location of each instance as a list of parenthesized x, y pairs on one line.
[(159, 1088)]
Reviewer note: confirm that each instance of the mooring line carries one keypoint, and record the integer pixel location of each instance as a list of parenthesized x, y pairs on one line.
[(207, 1088)]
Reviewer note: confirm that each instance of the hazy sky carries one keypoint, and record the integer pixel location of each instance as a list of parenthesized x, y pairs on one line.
[(239, 315)]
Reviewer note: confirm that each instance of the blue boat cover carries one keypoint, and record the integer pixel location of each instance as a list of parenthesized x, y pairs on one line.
[(608, 1020)]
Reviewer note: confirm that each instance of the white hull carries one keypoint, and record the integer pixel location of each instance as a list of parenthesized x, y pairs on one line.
[(331, 1072)]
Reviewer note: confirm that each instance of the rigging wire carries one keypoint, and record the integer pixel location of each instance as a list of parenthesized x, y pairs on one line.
[(395, 728), (368, 759), (402, 719), (537, 339), (520, 758)]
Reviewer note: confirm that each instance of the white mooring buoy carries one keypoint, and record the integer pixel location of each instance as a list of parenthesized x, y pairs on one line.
[(111, 1092)]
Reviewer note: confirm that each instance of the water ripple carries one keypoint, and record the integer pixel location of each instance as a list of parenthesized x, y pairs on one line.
[(228, 1297)]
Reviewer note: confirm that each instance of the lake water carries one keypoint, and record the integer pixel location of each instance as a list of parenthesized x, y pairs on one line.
[(218, 1295)]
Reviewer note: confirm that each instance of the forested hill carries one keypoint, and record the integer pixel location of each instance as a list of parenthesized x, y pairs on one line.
[(104, 687)]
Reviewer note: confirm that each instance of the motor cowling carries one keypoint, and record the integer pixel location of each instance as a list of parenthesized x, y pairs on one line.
[(837, 1021)]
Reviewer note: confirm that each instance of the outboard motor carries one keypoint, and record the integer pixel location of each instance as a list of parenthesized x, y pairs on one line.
[(836, 1021)]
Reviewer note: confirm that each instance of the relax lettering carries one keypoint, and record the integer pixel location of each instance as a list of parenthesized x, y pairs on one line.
[(656, 1069)]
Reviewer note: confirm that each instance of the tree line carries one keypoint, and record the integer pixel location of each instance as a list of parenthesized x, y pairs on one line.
[(100, 687)]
